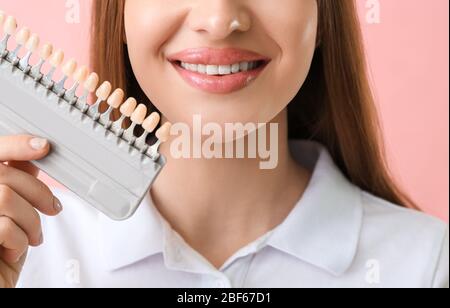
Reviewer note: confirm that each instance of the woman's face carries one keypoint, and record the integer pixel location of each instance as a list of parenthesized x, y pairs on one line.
[(226, 60)]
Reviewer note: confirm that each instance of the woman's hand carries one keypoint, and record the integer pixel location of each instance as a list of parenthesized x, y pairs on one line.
[(21, 196)]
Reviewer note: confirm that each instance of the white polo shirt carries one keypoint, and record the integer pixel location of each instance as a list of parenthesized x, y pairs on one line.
[(336, 236)]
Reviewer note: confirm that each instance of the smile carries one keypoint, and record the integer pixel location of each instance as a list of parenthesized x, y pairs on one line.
[(219, 71)]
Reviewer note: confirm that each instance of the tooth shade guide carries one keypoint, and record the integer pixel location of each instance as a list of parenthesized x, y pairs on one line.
[(53, 61), (163, 133), (2, 18), (69, 68), (46, 52), (116, 98), (128, 107), (91, 82), (10, 25), (81, 74), (79, 78), (152, 121), (104, 91), (22, 36), (33, 43), (56, 58), (139, 114)]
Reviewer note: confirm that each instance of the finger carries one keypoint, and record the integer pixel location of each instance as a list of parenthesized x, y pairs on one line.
[(23, 148), (22, 213), (13, 240), (25, 166), (31, 189)]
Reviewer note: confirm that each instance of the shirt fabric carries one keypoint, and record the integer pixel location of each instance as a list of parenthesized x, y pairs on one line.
[(336, 236)]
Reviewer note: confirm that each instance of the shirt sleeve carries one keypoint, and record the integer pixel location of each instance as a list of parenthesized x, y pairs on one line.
[(441, 276)]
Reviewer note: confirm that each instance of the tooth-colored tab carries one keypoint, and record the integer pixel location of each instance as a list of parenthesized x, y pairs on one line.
[(33, 43), (10, 25), (69, 67), (128, 107), (2, 17), (57, 58), (46, 51), (91, 82), (22, 36), (104, 90), (116, 98), (151, 122), (164, 132), (139, 114), (81, 74)]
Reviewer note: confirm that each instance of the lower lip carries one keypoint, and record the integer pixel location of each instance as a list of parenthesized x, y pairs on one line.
[(224, 84)]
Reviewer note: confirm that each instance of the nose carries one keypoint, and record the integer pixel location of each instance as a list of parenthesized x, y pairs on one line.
[(218, 19)]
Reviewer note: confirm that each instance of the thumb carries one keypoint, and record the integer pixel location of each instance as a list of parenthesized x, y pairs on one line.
[(23, 148)]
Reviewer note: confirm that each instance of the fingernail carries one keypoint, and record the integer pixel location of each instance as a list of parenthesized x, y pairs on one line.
[(41, 239), (38, 143), (57, 205)]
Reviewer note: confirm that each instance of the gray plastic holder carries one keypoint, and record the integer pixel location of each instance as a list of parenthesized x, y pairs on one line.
[(93, 162)]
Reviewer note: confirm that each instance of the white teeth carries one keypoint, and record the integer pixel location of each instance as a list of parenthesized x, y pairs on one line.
[(212, 70), (224, 69), (235, 68), (201, 68), (219, 69), (244, 66), (192, 67)]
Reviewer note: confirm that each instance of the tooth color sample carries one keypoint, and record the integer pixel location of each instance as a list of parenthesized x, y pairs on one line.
[(128, 107), (10, 25), (46, 51), (116, 99), (163, 133), (139, 114), (57, 58), (91, 82), (69, 68), (22, 36), (104, 90), (151, 122), (81, 74), (2, 17), (33, 43)]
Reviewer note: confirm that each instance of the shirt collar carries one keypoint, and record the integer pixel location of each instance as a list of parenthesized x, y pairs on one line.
[(123, 243), (322, 230), (324, 227)]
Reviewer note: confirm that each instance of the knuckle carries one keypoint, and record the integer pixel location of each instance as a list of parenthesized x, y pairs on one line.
[(7, 226), (6, 195), (4, 171), (36, 227)]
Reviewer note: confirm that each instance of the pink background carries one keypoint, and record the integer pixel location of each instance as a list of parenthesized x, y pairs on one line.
[(409, 60)]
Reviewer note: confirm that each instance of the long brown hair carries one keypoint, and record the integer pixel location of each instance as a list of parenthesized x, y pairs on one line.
[(334, 107)]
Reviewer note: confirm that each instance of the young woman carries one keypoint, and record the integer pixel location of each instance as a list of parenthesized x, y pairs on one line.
[(328, 214)]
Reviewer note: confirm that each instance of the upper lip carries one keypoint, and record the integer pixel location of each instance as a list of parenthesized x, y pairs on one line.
[(214, 56)]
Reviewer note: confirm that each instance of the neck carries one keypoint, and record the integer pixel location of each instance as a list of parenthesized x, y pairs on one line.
[(220, 205)]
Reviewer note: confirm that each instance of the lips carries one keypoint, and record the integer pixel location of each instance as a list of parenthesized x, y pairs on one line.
[(218, 71)]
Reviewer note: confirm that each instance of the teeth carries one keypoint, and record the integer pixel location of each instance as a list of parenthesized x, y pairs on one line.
[(244, 66), (192, 67), (212, 70), (224, 69), (219, 69), (201, 68), (235, 68)]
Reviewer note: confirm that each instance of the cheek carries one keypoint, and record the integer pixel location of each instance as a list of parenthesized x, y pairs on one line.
[(296, 37), (148, 25)]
